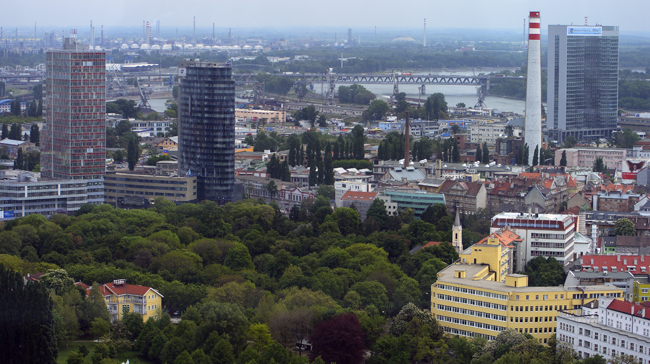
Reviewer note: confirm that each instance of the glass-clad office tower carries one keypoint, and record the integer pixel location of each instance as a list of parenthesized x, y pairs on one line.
[(582, 84), (206, 129)]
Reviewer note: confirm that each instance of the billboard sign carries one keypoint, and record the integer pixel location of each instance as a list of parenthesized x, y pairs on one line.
[(585, 31), (6, 215), (631, 167)]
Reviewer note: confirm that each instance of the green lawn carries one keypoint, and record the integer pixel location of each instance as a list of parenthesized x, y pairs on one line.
[(132, 356)]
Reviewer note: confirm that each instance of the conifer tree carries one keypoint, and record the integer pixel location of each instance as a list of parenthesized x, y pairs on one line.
[(26, 321)]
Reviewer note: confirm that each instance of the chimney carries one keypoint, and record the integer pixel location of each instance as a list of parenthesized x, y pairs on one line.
[(407, 149), (533, 115), (424, 42)]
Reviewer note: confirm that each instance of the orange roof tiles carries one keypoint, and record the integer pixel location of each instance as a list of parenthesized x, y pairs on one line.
[(355, 195), (505, 237)]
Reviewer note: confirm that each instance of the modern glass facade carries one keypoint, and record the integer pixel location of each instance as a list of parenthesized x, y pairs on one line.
[(206, 137), (73, 140), (582, 84), (417, 200)]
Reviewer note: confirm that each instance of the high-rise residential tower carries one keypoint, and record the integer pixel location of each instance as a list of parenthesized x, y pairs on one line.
[(206, 128), (533, 118), (73, 141), (582, 86)]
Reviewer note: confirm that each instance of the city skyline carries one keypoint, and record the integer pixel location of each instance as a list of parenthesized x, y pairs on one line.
[(463, 14)]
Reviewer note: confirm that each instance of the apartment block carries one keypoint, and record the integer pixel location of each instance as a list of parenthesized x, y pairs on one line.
[(612, 327)]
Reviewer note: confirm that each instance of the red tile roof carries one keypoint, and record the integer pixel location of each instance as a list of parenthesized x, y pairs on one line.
[(629, 308), (609, 261), (359, 196), (122, 289), (506, 238)]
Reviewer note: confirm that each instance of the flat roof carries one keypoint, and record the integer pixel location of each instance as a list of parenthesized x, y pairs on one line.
[(447, 276)]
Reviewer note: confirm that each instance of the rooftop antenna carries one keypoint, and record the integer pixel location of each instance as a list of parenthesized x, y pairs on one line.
[(102, 37), (213, 31), (194, 31), (586, 21), (35, 36)]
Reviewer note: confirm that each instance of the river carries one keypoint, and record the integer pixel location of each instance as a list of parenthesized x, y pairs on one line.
[(453, 94)]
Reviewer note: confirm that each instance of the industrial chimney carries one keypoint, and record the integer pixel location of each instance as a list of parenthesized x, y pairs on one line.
[(533, 118), (424, 42), (407, 131)]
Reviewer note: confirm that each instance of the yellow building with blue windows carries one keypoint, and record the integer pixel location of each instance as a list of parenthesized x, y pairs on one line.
[(479, 296), (122, 297)]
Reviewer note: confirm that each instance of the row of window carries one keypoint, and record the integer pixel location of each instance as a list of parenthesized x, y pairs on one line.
[(472, 302), (463, 322), (463, 311), (473, 292)]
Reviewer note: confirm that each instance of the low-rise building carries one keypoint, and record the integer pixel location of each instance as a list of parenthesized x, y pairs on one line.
[(412, 198), (612, 327), (360, 200), (271, 116), (586, 156), (341, 187), (122, 297), (615, 201), (467, 197), (25, 193), (477, 297), (124, 189)]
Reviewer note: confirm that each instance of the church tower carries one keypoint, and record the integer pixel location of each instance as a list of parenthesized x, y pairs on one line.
[(457, 234)]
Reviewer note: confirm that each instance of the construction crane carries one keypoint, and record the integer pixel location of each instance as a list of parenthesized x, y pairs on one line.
[(144, 95)]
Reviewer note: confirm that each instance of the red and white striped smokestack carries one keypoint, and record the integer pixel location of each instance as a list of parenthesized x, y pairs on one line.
[(533, 118)]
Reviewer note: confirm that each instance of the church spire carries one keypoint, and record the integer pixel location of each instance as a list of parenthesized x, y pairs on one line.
[(457, 234)]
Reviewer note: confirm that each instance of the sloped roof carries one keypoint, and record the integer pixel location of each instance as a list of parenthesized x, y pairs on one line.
[(122, 289), (505, 237), (629, 308), (472, 188), (612, 261), (359, 196)]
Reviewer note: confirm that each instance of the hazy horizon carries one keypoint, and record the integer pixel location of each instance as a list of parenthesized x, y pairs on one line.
[(500, 15)]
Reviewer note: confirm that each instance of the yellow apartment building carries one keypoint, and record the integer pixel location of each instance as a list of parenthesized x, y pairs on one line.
[(122, 297), (477, 296)]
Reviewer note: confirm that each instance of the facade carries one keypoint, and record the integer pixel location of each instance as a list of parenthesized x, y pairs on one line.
[(476, 296), (122, 297), (546, 235), (271, 116), (25, 194), (614, 328), (582, 90), (413, 198), (137, 190), (641, 290), (341, 187), (483, 132), (467, 197), (73, 139), (207, 128), (361, 201), (585, 157), (615, 201)]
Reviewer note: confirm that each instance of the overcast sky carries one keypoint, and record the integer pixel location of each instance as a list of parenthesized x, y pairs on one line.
[(630, 15)]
